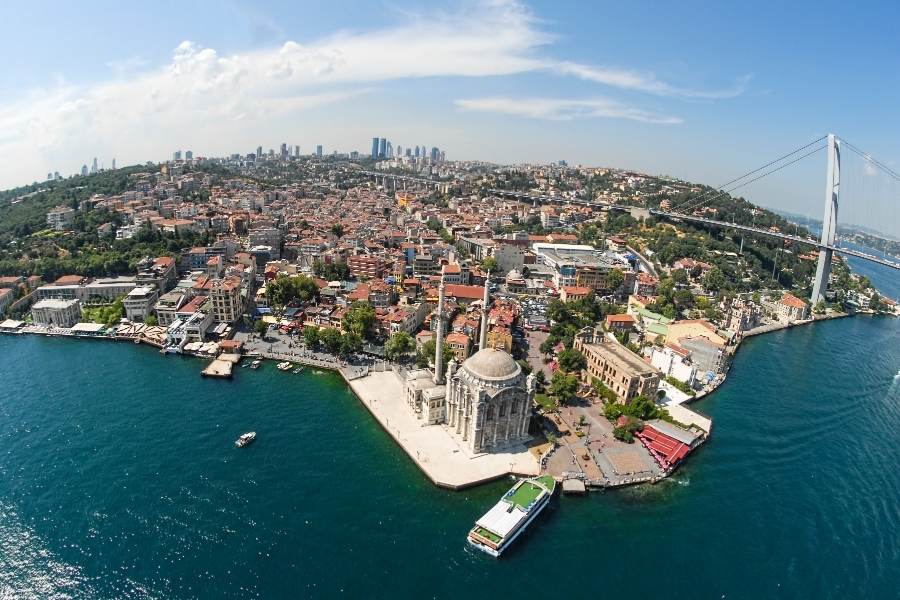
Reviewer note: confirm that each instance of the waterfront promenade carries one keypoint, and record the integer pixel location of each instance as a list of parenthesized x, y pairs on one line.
[(432, 447)]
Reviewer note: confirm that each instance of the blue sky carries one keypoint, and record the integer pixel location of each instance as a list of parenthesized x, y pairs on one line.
[(704, 91)]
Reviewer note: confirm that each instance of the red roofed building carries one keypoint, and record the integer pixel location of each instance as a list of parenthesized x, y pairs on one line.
[(645, 284), (667, 443), (619, 323), (360, 294), (71, 280), (571, 293), (792, 308), (464, 293), (460, 344), (366, 265)]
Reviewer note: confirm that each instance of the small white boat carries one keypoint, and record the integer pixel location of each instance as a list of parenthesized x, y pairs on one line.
[(255, 364), (245, 439), (284, 366)]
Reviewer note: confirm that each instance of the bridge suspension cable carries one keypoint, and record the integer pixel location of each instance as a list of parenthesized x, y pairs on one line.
[(872, 160), (705, 196), (693, 205)]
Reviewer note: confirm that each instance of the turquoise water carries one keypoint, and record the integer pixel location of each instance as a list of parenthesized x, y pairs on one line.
[(119, 479)]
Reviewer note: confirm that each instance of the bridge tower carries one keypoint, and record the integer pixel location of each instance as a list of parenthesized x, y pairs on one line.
[(829, 221)]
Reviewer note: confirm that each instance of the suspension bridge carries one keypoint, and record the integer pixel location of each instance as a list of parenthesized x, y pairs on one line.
[(688, 208)]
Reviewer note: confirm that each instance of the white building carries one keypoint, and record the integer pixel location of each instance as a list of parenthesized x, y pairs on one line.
[(166, 307), (674, 363), (485, 402), (60, 313), (61, 217), (139, 303), (488, 401)]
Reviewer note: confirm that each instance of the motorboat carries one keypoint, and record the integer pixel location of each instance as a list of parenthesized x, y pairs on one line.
[(245, 439)]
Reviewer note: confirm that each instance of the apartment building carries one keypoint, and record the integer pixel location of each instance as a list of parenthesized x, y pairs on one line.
[(227, 300), (617, 367)]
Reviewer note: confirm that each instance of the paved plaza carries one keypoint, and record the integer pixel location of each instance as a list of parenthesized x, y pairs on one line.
[(438, 453)]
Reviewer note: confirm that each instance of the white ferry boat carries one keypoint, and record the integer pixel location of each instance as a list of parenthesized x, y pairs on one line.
[(495, 531)]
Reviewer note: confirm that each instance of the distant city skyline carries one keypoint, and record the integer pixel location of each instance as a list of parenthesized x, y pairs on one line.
[(701, 92)]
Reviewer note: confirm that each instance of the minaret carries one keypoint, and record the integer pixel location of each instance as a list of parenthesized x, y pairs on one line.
[(482, 342), (439, 344)]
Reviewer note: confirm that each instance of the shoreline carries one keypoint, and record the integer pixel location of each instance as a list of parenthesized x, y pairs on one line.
[(442, 476)]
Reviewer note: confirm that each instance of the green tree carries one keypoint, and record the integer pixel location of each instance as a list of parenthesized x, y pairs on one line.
[(683, 299), (359, 319), (311, 336), (261, 328), (714, 280), (351, 343), (338, 230), (604, 392), (425, 356), (489, 264), (331, 339), (564, 386), (399, 344), (547, 346), (571, 361), (284, 290), (151, 320), (614, 279)]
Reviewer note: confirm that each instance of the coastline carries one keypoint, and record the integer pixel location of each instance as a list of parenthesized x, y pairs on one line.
[(384, 401)]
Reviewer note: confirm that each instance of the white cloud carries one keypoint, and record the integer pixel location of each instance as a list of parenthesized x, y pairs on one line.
[(868, 166), (562, 109), (210, 98), (646, 82)]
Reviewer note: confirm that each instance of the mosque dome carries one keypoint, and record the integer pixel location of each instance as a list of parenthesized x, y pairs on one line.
[(493, 365)]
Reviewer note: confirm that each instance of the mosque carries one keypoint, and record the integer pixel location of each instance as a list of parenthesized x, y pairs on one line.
[(485, 402)]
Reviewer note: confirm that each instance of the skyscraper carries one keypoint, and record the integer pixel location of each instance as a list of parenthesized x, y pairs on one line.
[(297, 151), (417, 152), (176, 155), (389, 152), (399, 150), (408, 152), (284, 151), (259, 152), (319, 150), (189, 155), (84, 170), (94, 166), (374, 147), (114, 164), (382, 148)]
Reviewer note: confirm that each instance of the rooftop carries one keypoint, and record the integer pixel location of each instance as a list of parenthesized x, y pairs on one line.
[(491, 363)]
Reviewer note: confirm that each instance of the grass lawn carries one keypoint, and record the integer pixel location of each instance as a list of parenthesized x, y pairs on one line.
[(487, 534), (546, 402), (525, 494)]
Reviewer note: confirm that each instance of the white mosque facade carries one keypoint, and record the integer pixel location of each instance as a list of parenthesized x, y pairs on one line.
[(485, 402)]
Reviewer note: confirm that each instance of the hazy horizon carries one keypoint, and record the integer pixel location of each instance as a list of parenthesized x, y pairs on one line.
[(702, 93)]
